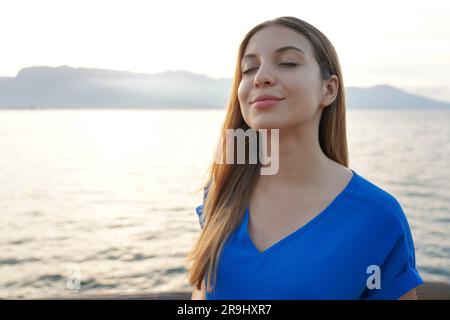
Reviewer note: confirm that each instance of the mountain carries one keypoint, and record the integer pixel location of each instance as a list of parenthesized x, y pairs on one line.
[(66, 87), (388, 97)]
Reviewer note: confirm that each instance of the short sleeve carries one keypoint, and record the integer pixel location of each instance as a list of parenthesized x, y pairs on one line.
[(398, 272), (199, 209)]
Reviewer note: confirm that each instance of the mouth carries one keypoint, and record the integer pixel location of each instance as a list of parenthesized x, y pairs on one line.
[(266, 103)]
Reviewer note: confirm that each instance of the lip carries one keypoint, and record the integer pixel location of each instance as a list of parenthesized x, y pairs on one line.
[(266, 103), (266, 97)]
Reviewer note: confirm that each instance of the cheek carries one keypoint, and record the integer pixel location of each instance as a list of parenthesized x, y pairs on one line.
[(302, 93), (301, 103), (243, 92)]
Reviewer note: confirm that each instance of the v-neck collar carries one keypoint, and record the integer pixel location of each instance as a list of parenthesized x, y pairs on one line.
[(306, 226)]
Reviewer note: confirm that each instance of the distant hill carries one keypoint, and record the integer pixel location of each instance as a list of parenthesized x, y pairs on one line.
[(66, 87), (388, 97)]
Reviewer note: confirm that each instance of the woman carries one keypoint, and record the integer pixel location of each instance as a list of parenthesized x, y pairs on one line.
[(315, 229)]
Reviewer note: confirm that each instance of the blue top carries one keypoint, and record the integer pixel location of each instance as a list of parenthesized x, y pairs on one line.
[(359, 247)]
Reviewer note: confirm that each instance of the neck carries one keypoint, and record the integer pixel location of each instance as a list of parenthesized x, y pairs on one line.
[(301, 159)]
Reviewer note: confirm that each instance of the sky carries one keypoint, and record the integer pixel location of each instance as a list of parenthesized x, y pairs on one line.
[(405, 44)]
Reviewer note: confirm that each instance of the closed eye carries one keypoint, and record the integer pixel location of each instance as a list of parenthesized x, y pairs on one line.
[(281, 64)]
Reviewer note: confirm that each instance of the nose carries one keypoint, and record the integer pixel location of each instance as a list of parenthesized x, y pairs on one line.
[(262, 78)]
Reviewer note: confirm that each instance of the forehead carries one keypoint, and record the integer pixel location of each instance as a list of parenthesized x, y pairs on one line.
[(271, 38)]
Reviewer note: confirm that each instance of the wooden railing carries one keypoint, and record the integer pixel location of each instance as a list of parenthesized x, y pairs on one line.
[(427, 291)]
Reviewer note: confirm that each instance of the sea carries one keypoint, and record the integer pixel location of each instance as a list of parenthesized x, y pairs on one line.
[(103, 201)]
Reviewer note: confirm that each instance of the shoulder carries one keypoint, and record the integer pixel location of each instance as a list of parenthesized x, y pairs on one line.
[(200, 209), (379, 222), (374, 203)]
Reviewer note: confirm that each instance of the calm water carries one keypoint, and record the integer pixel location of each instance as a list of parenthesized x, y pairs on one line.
[(110, 195)]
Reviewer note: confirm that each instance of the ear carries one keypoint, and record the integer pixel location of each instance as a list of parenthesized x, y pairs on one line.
[(331, 88)]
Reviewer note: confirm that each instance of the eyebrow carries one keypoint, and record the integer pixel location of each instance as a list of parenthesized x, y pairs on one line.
[(252, 55)]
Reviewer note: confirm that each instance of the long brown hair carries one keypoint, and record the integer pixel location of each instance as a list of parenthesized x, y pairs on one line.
[(229, 185)]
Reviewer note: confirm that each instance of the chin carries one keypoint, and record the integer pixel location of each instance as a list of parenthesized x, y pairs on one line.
[(266, 124)]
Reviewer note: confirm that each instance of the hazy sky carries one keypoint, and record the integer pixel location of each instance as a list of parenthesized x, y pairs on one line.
[(401, 43)]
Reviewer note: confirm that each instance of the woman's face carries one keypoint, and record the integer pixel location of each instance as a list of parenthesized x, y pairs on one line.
[(270, 72)]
